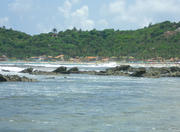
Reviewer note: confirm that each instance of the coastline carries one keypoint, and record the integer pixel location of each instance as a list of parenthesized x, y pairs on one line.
[(98, 63)]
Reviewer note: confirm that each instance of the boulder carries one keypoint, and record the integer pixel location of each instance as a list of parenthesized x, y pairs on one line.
[(175, 74), (62, 70), (73, 70), (175, 69), (5, 70), (163, 72), (2, 78), (101, 73), (119, 68), (139, 72), (15, 78), (122, 68), (28, 70)]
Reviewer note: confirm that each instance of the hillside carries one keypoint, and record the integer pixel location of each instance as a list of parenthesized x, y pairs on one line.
[(158, 40)]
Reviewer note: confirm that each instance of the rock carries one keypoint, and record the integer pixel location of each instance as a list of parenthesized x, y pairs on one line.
[(88, 72), (139, 72), (122, 68), (155, 72), (119, 68), (28, 70), (62, 70), (101, 73), (2, 78), (5, 70), (15, 78), (162, 72), (37, 72), (175, 74), (73, 70), (175, 69)]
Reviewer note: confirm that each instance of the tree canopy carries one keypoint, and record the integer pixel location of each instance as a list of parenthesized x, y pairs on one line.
[(158, 40)]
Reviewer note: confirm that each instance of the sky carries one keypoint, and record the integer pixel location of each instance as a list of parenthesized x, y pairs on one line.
[(41, 16)]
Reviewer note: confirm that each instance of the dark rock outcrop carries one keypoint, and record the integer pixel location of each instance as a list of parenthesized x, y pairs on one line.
[(28, 70), (152, 72), (174, 69), (5, 70), (73, 70), (2, 78), (139, 72), (15, 78), (123, 70), (62, 70), (119, 68)]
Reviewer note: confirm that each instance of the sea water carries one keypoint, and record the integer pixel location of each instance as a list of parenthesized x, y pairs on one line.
[(87, 103)]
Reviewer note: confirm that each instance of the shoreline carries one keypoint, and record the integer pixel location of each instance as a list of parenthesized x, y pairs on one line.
[(115, 63)]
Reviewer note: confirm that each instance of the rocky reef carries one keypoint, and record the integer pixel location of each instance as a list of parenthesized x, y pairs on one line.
[(59, 70), (123, 70), (152, 72), (15, 78)]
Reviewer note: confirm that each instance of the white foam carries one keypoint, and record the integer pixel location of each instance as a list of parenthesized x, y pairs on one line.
[(42, 65), (11, 69), (110, 64)]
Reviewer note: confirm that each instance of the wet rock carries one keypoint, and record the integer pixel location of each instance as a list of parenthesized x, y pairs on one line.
[(175, 74), (62, 70), (88, 72), (37, 72), (163, 72), (175, 69), (73, 70), (122, 68), (28, 70), (5, 70), (15, 78), (119, 68), (101, 73), (2, 78), (139, 72)]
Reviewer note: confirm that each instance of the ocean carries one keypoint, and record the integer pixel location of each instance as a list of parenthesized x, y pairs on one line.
[(87, 103)]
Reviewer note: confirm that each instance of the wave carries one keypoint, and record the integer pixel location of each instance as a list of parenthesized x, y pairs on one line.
[(110, 64), (11, 69), (14, 67)]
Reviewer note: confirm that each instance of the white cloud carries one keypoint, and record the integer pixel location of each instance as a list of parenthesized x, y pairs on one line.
[(142, 12), (66, 8), (83, 12), (78, 18), (4, 21), (76, 1), (20, 6), (117, 6)]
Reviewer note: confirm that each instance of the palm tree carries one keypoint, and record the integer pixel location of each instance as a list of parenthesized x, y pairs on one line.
[(54, 30)]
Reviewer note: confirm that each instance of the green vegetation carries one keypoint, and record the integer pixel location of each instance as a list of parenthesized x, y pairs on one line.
[(159, 40)]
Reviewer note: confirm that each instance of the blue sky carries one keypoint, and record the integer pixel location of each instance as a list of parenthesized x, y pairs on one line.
[(40, 16)]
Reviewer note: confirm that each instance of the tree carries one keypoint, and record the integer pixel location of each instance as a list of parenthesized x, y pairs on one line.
[(54, 30)]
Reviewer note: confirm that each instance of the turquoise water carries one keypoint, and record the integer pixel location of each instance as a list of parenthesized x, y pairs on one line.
[(89, 103)]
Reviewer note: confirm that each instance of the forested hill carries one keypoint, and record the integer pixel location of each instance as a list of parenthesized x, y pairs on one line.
[(159, 40)]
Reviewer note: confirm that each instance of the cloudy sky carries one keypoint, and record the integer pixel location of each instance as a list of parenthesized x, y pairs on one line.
[(37, 16)]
